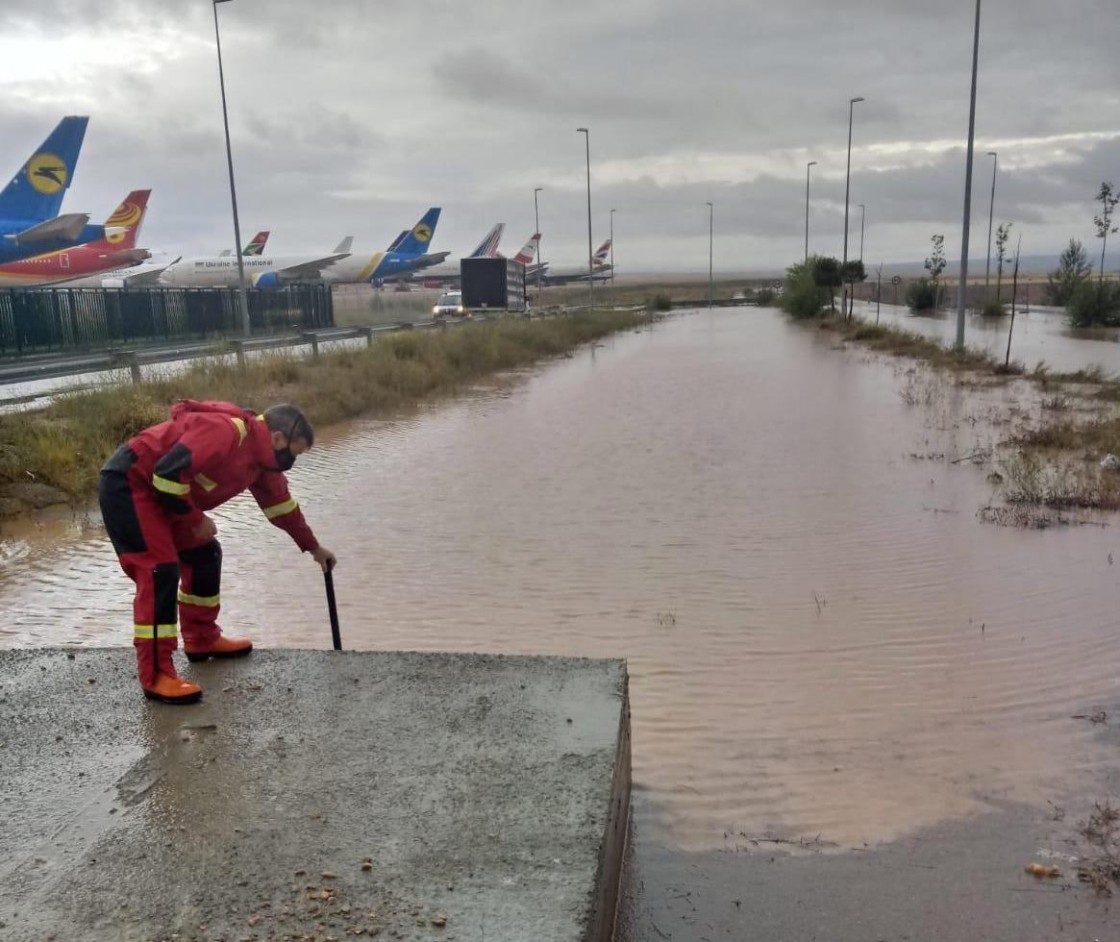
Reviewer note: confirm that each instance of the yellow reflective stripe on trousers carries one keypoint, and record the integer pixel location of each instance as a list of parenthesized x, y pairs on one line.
[(242, 431), (155, 631), (170, 487), (206, 601), (204, 482), (278, 510)]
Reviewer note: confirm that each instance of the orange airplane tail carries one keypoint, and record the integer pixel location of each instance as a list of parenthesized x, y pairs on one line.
[(123, 227)]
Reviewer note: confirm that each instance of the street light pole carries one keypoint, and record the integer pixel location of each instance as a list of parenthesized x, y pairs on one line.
[(847, 191), (242, 296), (612, 257), (537, 230), (991, 215), (711, 218), (962, 293), (810, 164), (590, 267), (862, 220)]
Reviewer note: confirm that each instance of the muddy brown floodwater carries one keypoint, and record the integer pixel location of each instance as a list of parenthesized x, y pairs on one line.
[(823, 639)]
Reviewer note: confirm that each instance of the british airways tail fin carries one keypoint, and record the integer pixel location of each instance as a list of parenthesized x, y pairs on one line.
[(602, 253), (36, 191), (488, 247), (418, 240), (528, 250)]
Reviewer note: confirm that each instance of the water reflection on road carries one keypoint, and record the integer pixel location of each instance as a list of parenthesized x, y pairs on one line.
[(1040, 334)]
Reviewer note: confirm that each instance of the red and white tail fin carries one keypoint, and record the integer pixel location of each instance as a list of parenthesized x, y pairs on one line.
[(125, 222), (256, 244), (528, 250)]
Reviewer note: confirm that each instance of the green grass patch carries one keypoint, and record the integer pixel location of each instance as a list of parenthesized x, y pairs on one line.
[(65, 444)]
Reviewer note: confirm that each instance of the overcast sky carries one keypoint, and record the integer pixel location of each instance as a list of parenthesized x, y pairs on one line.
[(352, 117)]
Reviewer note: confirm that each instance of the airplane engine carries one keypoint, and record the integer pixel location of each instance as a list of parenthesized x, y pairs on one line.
[(266, 279)]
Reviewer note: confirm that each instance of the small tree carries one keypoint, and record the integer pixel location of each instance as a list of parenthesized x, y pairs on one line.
[(935, 265), (1073, 269), (1003, 233), (1103, 222), (851, 273), (803, 296), (826, 271)]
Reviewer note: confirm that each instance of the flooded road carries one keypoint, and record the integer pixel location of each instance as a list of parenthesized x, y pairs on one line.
[(822, 637), (1040, 335)]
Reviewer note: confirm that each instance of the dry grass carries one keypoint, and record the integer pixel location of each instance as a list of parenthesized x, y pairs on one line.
[(1055, 464), (1095, 437), (65, 443), (1100, 830), (904, 343)]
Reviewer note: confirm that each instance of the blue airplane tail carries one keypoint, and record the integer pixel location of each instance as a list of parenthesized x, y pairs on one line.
[(36, 191), (417, 241)]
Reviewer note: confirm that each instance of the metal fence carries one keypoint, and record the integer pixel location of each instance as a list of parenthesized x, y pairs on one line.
[(39, 320)]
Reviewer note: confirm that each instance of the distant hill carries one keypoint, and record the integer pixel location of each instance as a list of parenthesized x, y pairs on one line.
[(1029, 265)]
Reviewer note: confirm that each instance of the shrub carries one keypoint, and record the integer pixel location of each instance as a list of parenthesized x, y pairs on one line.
[(1072, 271), (764, 297), (659, 302), (1095, 305), (923, 295), (993, 309), (803, 297)]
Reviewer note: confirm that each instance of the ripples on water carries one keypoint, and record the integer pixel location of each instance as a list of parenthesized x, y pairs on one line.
[(822, 637)]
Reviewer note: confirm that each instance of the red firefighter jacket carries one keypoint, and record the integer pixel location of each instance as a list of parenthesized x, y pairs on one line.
[(209, 452)]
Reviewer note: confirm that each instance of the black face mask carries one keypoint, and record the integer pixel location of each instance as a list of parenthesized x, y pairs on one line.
[(284, 457)]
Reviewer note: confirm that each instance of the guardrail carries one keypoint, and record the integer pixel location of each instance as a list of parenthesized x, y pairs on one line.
[(134, 360), (54, 366)]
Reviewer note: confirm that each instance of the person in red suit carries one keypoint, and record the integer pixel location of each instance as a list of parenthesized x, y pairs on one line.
[(154, 493)]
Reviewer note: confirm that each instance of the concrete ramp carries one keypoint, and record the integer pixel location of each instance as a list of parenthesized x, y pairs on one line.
[(313, 796)]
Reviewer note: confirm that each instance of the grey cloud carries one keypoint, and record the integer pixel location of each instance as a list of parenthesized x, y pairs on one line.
[(355, 118)]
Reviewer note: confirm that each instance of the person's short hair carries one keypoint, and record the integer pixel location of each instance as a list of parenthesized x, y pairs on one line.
[(291, 421)]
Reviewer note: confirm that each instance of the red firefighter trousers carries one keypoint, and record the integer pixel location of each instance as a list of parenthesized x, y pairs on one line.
[(174, 571)]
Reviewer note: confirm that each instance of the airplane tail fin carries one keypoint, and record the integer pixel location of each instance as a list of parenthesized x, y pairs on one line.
[(256, 244), (397, 241), (488, 247), (343, 247), (528, 250), (602, 253), (418, 240), (36, 191), (123, 227)]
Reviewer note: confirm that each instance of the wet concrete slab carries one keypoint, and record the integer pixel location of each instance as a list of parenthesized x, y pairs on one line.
[(313, 795)]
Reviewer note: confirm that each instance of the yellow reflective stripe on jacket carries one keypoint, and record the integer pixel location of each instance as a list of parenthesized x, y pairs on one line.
[(206, 601), (170, 487), (242, 431), (278, 510), (204, 482), (156, 631)]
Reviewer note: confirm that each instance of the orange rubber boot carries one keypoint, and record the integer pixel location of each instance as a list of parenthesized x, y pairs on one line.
[(173, 690), (158, 677), (222, 647)]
